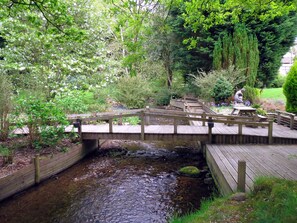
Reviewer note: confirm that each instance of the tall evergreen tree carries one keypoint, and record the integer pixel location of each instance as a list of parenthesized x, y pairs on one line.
[(239, 49)]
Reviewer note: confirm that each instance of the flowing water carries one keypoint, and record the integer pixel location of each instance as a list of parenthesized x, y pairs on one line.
[(136, 185)]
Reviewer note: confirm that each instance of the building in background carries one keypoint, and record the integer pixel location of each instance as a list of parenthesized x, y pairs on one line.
[(288, 59)]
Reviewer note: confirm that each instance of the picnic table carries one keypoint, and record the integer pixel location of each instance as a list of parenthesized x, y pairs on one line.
[(248, 112), (244, 111)]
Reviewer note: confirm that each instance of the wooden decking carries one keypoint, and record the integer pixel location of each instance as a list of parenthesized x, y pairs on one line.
[(262, 160)]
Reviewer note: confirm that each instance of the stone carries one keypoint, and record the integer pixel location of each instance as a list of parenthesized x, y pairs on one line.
[(189, 171), (208, 180), (238, 197)]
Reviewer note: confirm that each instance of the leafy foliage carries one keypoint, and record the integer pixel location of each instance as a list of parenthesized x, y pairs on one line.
[(71, 102), (251, 94), (133, 91), (278, 82), (41, 57), (5, 105), (46, 123), (271, 23), (222, 90), (290, 89), (240, 50), (163, 96), (205, 81)]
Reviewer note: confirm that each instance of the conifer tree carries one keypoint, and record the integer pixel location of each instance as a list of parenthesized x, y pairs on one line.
[(290, 89), (240, 50)]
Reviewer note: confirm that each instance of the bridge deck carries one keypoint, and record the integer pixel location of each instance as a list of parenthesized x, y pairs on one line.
[(219, 129), (261, 160)]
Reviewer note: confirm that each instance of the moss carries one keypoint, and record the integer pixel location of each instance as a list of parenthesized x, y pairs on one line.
[(189, 171)]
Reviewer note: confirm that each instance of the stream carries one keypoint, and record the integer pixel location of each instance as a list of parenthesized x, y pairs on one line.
[(123, 182)]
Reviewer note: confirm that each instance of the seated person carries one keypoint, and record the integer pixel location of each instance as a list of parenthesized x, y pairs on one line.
[(238, 97)]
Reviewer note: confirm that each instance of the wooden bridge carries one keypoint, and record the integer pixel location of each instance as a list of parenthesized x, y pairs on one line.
[(208, 128), (228, 141)]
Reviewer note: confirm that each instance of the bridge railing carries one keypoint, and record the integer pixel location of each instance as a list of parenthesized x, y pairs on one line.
[(204, 118)]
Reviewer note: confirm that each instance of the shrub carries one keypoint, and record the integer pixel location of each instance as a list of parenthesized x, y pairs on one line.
[(133, 91), (46, 122), (5, 106), (72, 102), (222, 90), (163, 96), (251, 94), (278, 82), (290, 89), (6, 154), (205, 81)]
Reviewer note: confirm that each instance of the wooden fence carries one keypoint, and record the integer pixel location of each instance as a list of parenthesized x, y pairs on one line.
[(286, 119), (42, 168)]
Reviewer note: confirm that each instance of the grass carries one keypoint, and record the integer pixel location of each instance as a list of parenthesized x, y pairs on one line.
[(273, 93), (272, 201)]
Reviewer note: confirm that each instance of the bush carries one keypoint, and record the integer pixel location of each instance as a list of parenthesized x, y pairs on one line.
[(5, 106), (72, 102), (205, 81), (46, 122), (163, 96), (290, 89), (251, 94), (133, 91), (222, 90), (278, 82)]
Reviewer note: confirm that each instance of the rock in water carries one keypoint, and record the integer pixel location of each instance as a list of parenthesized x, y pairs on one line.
[(190, 171)]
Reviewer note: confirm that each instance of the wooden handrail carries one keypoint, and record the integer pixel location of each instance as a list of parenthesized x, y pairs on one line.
[(281, 114), (204, 117)]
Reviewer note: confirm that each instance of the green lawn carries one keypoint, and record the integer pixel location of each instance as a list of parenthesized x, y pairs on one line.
[(273, 93)]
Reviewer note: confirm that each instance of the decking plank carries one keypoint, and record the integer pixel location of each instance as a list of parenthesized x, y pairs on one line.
[(260, 166), (262, 160), (233, 170), (222, 168), (233, 159)]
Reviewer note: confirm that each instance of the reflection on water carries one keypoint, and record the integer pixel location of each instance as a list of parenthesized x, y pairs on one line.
[(140, 186)]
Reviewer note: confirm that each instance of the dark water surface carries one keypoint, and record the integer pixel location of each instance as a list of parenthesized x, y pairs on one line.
[(108, 187)]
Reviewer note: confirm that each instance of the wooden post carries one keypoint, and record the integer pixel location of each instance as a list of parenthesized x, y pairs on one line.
[(278, 118), (209, 134), (175, 126), (120, 121), (110, 125), (241, 175), (240, 132), (79, 122), (147, 117), (142, 124), (270, 130), (37, 168), (291, 121), (204, 117)]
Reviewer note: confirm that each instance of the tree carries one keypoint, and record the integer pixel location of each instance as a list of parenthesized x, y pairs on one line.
[(5, 105), (39, 56), (290, 89), (270, 21), (239, 49), (275, 37), (132, 23)]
